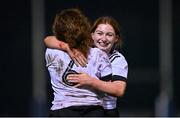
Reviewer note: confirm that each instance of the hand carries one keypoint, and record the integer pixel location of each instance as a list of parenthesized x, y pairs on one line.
[(79, 58), (75, 54), (81, 79)]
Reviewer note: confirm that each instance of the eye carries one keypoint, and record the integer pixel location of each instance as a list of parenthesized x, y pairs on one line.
[(99, 33), (110, 34)]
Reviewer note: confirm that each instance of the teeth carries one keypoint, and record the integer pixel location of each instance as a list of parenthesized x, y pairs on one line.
[(103, 44)]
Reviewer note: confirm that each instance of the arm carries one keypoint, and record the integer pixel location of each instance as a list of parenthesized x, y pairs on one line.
[(52, 42), (77, 56), (115, 88)]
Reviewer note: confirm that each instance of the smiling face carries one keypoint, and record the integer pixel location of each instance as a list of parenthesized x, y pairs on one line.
[(104, 37)]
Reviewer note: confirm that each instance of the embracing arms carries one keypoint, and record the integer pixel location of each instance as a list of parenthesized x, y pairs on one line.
[(114, 88), (76, 55)]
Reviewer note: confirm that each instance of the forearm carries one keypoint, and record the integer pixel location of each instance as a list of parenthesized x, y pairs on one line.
[(76, 56), (52, 42), (115, 88)]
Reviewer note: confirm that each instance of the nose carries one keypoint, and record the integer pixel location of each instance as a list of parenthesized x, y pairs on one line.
[(103, 37)]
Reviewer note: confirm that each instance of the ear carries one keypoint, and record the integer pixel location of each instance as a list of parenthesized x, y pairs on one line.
[(116, 39)]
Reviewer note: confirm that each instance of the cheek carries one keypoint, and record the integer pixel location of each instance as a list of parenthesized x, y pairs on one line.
[(113, 41), (95, 38)]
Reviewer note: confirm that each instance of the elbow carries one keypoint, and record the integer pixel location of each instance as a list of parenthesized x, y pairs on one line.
[(119, 88), (119, 93), (46, 40)]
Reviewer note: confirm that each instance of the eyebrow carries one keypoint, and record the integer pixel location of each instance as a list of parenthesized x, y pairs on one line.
[(103, 32)]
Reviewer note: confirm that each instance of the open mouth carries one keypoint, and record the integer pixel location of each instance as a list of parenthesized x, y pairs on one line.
[(103, 44)]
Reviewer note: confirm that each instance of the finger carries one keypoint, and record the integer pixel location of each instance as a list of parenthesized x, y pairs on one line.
[(73, 57), (81, 61), (71, 76), (72, 81), (80, 58), (76, 62), (84, 59), (77, 85)]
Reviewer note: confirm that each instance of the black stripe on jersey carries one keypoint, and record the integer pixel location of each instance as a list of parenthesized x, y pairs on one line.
[(119, 78), (106, 78), (71, 64), (112, 59), (114, 54)]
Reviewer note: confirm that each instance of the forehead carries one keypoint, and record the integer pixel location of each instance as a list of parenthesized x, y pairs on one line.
[(105, 27)]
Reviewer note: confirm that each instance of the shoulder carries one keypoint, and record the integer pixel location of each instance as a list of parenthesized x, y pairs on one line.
[(117, 58), (53, 51), (98, 56), (116, 55), (119, 65), (96, 52)]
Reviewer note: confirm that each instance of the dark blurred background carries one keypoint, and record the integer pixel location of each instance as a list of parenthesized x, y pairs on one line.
[(151, 91)]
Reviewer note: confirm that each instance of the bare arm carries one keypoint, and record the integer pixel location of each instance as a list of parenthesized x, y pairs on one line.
[(77, 56), (115, 88), (52, 42)]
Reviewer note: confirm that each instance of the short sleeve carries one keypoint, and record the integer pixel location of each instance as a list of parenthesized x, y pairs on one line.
[(120, 67)]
